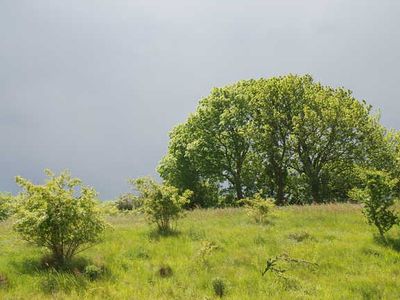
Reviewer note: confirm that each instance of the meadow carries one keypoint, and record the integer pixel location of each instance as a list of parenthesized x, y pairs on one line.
[(223, 245)]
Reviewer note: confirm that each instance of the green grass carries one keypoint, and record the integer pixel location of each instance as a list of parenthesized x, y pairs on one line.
[(351, 263)]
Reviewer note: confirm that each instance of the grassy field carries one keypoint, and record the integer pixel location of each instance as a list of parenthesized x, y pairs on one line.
[(221, 243)]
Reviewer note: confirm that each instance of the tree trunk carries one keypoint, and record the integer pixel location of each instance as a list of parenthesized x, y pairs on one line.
[(280, 193), (238, 180), (315, 189), (239, 191), (58, 255)]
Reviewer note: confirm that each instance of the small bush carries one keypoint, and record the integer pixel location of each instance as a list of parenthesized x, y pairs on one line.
[(165, 271), (259, 208), (207, 248), (61, 215), (109, 208), (162, 204), (93, 272), (6, 206), (219, 287), (377, 197), (128, 201)]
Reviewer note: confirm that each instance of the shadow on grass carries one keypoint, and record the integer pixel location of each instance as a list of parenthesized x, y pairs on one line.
[(74, 275), (45, 263), (156, 235), (393, 243)]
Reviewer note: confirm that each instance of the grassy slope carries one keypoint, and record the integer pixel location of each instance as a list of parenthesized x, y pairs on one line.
[(351, 264)]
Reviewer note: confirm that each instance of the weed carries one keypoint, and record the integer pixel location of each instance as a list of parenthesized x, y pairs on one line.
[(165, 271), (219, 287)]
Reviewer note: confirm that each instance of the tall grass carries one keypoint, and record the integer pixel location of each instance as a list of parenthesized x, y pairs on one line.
[(139, 263)]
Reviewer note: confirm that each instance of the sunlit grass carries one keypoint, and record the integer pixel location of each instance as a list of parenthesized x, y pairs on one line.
[(351, 264)]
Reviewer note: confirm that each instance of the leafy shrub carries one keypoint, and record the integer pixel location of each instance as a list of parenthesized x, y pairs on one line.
[(259, 208), (93, 272), (61, 215), (6, 205), (109, 208), (162, 203), (128, 201), (377, 197), (165, 271), (207, 248), (219, 287)]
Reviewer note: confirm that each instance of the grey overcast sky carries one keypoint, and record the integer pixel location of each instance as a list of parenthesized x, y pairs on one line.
[(94, 86)]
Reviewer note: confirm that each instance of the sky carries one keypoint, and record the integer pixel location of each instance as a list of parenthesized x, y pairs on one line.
[(94, 86)]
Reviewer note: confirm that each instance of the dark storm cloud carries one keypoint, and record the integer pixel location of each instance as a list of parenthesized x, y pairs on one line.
[(95, 86)]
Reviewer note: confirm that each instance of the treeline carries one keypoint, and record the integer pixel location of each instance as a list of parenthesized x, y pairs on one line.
[(289, 138)]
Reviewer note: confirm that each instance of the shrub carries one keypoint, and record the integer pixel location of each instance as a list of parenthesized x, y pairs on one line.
[(61, 215), (6, 206), (376, 195), (219, 287), (128, 201), (124, 202), (165, 271), (207, 248), (109, 208), (259, 208), (93, 272), (162, 203)]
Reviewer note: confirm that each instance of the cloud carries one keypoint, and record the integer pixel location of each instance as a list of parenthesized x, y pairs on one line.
[(95, 86)]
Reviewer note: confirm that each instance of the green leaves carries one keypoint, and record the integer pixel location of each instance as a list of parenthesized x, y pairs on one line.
[(7, 204), (259, 208), (162, 203), (376, 194), (287, 137), (61, 215)]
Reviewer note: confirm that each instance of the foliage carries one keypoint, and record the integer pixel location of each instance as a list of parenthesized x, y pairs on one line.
[(162, 203), (179, 169), (93, 271), (54, 215), (259, 208), (328, 134), (289, 137), (108, 208), (6, 206), (219, 287), (377, 197), (207, 248), (274, 264), (165, 271), (277, 102), (128, 201)]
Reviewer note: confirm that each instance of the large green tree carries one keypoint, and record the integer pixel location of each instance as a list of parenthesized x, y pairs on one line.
[(179, 169), (275, 103), (214, 146), (222, 142), (287, 137), (329, 133)]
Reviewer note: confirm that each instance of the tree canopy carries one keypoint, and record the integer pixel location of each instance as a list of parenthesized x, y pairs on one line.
[(286, 137)]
